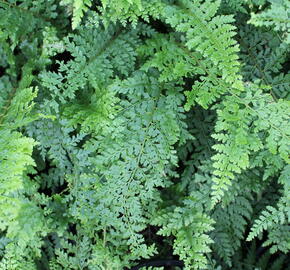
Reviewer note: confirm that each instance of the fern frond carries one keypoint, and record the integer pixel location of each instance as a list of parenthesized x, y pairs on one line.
[(209, 34), (190, 228), (277, 16)]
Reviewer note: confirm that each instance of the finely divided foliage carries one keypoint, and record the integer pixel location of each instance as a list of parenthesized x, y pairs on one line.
[(133, 130)]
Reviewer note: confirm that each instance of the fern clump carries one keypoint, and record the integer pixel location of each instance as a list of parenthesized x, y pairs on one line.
[(144, 134)]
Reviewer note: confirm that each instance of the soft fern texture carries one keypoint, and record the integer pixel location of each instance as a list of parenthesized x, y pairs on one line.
[(136, 130)]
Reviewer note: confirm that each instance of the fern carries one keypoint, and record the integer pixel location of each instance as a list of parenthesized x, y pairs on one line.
[(264, 65), (197, 20), (233, 157), (260, 260), (276, 16), (124, 212), (190, 227), (229, 232), (135, 130), (277, 219), (16, 158)]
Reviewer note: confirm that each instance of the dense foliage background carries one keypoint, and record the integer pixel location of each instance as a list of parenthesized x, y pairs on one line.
[(133, 130)]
